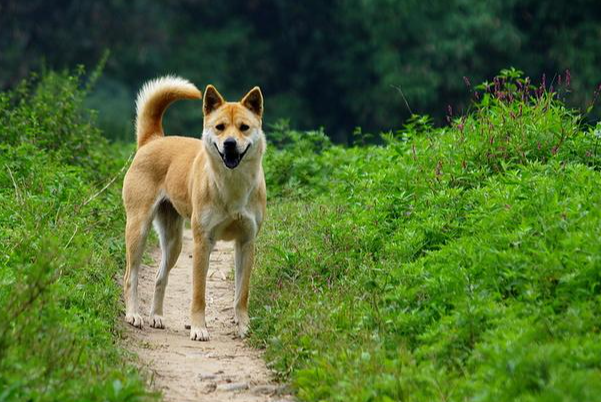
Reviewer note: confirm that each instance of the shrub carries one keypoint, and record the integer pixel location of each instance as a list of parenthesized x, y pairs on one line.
[(291, 167), (48, 113), (61, 250), (459, 263)]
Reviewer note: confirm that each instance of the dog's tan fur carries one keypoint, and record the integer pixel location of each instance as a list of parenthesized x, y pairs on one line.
[(174, 178)]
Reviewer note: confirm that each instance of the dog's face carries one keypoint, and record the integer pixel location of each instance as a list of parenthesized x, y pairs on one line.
[(232, 130)]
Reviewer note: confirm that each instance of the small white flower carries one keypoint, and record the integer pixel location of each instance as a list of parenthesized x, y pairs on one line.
[(597, 130)]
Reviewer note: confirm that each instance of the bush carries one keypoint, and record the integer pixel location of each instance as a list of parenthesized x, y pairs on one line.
[(291, 166), (61, 250), (459, 263), (48, 113)]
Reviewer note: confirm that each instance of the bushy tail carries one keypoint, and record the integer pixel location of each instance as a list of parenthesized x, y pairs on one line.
[(153, 99)]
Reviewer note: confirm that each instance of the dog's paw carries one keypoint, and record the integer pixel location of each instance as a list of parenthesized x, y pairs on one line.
[(199, 334), (241, 319), (134, 319), (243, 330), (156, 321)]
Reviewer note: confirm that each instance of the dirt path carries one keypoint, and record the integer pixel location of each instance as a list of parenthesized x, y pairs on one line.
[(223, 369)]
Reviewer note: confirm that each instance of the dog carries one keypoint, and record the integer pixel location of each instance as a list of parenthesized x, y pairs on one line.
[(216, 182)]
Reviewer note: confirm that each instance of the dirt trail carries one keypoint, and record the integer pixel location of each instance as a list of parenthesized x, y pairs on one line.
[(223, 369)]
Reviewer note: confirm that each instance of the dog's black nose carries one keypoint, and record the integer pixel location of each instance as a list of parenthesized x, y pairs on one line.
[(229, 144)]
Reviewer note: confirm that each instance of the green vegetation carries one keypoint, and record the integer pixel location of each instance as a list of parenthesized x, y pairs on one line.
[(454, 263), (61, 249), (336, 64), (460, 263)]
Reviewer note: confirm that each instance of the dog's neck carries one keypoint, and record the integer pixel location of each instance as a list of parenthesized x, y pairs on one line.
[(234, 187)]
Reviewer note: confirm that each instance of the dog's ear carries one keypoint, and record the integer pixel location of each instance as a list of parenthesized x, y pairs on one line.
[(253, 101), (212, 100)]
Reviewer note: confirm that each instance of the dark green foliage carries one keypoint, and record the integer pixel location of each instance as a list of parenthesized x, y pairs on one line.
[(336, 64), (460, 263), (48, 114), (61, 250), (291, 166)]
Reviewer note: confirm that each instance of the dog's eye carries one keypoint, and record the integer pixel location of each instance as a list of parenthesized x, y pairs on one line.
[(220, 127), (243, 127)]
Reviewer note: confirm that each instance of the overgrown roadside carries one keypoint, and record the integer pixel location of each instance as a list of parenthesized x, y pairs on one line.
[(454, 263), (459, 263), (61, 250)]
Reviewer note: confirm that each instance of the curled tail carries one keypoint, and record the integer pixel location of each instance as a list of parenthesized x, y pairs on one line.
[(153, 99)]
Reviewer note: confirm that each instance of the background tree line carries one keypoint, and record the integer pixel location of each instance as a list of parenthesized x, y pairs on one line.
[(337, 64)]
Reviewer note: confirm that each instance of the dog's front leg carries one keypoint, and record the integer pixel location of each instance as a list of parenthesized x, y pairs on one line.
[(245, 255), (202, 250)]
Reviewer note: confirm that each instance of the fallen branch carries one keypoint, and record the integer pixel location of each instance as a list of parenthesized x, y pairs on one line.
[(17, 192), (103, 189)]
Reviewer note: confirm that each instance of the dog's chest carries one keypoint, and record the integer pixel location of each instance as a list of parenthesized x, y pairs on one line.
[(235, 194), (229, 226), (234, 203), (232, 213)]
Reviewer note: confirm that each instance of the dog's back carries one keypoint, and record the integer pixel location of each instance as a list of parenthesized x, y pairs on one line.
[(158, 157)]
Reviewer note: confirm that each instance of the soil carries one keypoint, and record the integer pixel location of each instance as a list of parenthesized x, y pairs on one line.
[(222, 369)]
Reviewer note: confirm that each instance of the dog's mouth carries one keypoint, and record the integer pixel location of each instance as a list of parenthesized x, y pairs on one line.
[(231, 158)]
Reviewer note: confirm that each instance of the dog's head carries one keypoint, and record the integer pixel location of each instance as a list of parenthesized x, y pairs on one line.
[(232, 131)]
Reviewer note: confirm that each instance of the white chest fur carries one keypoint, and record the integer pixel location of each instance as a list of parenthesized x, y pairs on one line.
[(233, 191)]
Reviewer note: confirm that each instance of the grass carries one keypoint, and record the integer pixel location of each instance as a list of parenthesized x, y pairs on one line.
[(61, 250), (460, 263), (455, 263)]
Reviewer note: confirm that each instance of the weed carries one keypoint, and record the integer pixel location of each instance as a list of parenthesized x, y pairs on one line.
[(61, 250), (454, 263)]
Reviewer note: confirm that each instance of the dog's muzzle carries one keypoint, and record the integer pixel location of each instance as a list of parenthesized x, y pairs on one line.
[(230, 155)]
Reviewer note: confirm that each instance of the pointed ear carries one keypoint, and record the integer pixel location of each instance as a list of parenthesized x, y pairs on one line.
[(212, 100), (253, 101)]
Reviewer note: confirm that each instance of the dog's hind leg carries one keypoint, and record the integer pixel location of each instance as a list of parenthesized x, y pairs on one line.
[(136, 231), (169, 225)]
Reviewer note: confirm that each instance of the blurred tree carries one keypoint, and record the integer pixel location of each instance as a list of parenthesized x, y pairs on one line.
[(337, 64)]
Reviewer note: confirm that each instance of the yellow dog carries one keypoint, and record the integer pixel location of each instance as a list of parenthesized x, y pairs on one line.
[(216, 182)]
